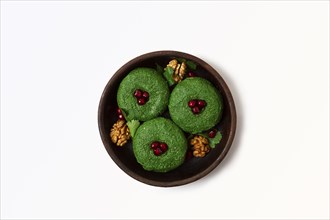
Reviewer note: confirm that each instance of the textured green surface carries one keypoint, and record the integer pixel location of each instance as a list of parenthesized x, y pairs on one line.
[(133, 126), (181, 114), (149, 80), (162, 130)]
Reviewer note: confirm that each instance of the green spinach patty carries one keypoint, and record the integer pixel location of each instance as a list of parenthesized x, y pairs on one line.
[(195, 88), (161, 130), (143, 79)]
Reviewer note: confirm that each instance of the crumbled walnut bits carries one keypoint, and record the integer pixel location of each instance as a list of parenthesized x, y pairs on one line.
[(200, 146), (120, 133), (179, 70)]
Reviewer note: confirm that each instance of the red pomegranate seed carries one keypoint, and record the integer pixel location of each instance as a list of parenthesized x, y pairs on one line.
[(201, 103), (121, 117), (141, 101), (155, 145), (138, 93), (212, 133), (195, 110), (157, 152), (190, 74), (192, 103), (119, 111), (145, 95), (163, 147)]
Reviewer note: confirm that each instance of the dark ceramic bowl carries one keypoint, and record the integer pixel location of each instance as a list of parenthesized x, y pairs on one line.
[(192, 169)]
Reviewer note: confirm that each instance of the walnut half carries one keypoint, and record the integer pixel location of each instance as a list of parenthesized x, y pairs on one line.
[(200, 146), (120, 133), (179, 70)]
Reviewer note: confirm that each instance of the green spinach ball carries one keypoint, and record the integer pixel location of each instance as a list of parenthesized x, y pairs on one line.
[(137, 106), (162, 131), (184, 105)]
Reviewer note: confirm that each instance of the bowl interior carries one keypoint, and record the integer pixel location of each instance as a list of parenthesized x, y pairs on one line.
[(192, 169)]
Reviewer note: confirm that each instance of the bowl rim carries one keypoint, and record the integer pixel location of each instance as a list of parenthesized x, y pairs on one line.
[(226, 92)]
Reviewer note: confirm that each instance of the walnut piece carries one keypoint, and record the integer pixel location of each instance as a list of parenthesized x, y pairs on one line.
[(120, 133), (200, 146), (179, 70), (182, 70), (173, 64)]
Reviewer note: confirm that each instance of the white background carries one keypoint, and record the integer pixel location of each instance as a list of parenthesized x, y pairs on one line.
[(56, 58)]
